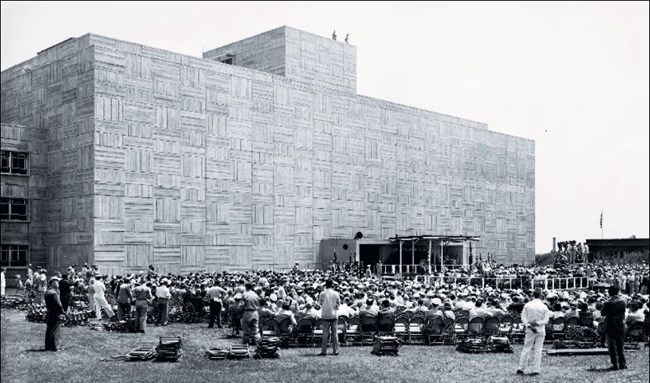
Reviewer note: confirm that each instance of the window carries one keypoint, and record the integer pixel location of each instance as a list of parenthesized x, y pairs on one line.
[(228, 58), (13, 209), (14, 162), (14, 255)]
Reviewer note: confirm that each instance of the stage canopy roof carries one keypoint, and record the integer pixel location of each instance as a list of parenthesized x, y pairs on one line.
[(446, 238)]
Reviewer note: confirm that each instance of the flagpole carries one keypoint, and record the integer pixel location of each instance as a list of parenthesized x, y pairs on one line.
[(601, 224)]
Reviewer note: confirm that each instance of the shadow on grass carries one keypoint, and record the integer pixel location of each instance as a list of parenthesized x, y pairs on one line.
[(599, 369), (35, 350)]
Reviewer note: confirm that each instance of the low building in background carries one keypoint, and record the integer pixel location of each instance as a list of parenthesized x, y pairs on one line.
[(616, 248)]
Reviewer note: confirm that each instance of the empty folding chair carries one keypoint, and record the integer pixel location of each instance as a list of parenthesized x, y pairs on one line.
[(353, 331), (416, 330), (401, 330), (461, 328), (559, 326), (305, 332)]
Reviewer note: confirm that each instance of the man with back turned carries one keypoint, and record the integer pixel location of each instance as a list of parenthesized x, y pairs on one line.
[(614, 313), (54, 311), (535, 315)]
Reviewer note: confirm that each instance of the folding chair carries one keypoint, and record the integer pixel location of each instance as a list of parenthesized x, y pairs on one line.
[(463, 314), (491, 326), (571, 322), (285, 331), (635, 334), (448, 333), (559, 325), (386, 326), (433, 329), (461, 328), (353, 330), (401, 329), (270, 328), (417, 314), (368, 328), (317, 332), (518, 332), (305, 332), (475, 327), (505, 325), (416, 334), (341, 327)]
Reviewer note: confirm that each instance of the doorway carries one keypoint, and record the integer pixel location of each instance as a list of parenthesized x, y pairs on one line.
[(370, 254)]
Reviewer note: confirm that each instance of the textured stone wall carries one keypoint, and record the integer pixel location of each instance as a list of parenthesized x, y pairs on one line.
[(310, 59), (201, 165), (265, 52), (51, 95)]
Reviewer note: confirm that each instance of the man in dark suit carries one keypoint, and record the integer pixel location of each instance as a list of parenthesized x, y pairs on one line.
[(65, 287), (614, 313), (54, 310)]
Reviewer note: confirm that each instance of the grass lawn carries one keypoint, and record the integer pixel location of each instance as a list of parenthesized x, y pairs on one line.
[(85, 358)]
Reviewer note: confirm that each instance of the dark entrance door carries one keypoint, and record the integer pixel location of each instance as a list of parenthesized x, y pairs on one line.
[(369, 254)]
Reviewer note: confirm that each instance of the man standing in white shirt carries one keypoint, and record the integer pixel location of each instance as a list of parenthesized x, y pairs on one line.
[(329, 301), (100, 299), (534, 316), (3, 283), (163, 295), (215, 294)]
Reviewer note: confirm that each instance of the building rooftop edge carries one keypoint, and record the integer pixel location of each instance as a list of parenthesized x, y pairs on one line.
[(90, 35)]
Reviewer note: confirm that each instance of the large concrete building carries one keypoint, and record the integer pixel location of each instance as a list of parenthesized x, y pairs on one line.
[(249, 157)]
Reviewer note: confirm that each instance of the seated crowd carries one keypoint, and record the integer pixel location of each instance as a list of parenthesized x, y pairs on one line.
[(295, 294)]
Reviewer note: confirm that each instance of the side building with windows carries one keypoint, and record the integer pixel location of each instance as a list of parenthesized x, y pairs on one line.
[(22, 211)]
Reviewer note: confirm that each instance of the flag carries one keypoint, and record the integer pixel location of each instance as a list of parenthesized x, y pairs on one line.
[(601, 219)]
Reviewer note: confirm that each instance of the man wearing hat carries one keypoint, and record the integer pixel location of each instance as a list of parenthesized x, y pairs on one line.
[(54, 310), (535, 315), (163, 295), (250, 318), (434, 309)]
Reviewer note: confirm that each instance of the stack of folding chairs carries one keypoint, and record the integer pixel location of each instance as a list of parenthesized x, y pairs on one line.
[(140, 354), (169, 349), (475, 345), (14, 302), (385, 345), (268, 347), (217, 354), (501, 344), (239, 351)]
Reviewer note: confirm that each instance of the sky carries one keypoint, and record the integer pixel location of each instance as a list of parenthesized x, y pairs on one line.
[(571, 76)]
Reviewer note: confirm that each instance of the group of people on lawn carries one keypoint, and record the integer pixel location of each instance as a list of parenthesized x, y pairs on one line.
[(327, 295)]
